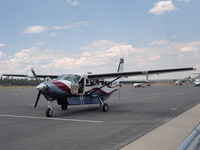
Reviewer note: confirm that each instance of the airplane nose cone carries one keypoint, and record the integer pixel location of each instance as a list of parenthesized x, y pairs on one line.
[(42, 87)]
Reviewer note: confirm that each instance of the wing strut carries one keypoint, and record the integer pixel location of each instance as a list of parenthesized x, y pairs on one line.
[(105, 84)]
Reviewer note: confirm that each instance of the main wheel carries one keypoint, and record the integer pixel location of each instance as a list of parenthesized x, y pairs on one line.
[(49, 112), (64, 107), (105, 107)]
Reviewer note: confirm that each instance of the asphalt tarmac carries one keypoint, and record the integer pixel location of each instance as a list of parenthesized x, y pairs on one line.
[(86, 127)]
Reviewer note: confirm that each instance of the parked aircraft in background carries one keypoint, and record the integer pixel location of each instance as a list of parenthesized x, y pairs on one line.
[(178, 82), (197, 80), (74, 89), (138, 85), (143, 84)]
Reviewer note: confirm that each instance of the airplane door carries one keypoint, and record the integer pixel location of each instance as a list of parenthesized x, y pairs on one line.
[(75, 88), (81, 86), (77, 85)]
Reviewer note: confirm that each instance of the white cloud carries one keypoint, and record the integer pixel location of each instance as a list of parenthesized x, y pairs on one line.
[(175, 47), (101, 56), (197, 66), (35, 29), (184, 1), (189, 49), (39, 29), (99, 45), (155, 57), (73, 2), (160, 42), (2, 44), (76, 24), (63, 27), (52, 34), (41, 43), (1, 54), (161, 7), (82, 23)]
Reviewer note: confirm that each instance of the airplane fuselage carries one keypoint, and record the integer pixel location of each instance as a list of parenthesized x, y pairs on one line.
[(76, 90)]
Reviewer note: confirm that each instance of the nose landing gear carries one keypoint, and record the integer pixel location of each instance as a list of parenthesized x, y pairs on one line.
[(49, 111)]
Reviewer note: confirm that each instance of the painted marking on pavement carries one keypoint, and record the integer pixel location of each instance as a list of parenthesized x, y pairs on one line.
[(45, 118)]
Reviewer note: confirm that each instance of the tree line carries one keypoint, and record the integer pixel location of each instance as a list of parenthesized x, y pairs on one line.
[(18, 82)]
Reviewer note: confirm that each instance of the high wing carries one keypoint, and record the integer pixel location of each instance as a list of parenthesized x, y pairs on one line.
[(45, 76), (137, 73), (135, 81), (15, 75), (113, 75), (24, 75)]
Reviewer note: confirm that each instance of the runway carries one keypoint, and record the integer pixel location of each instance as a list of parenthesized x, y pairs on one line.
[(138, 112)]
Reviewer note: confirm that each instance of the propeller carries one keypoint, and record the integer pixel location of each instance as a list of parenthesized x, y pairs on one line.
[(34, 74), (38, 97), (41, 87), (39, 93)]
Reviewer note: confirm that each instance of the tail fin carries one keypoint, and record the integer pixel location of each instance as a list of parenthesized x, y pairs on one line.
[(121, 65)]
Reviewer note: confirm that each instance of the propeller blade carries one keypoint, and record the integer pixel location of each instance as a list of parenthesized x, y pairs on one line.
[(38, 97), (34, 74)]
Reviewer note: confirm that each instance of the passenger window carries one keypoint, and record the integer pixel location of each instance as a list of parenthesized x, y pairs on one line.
[(87, 81)]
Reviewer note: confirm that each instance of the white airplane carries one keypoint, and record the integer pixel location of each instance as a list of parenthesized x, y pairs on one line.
[(143, 83), (197, 82), (138, 85), (178, 82), (74, 89)]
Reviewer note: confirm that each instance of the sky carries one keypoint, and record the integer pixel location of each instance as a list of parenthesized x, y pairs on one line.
[(80, 36)]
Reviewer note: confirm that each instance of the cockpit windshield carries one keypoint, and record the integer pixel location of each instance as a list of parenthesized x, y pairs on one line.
[(69, 77)]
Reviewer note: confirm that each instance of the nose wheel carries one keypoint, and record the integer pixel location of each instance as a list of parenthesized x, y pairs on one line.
[(49, 112)]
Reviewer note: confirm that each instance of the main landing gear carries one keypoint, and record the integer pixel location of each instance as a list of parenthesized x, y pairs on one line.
[(64, 107), (49, 111), (104, 106)]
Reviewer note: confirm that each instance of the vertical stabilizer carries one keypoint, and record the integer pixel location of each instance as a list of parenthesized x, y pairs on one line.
[(121, 65)]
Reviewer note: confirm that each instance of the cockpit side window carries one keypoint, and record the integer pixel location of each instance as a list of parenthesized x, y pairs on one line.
[(69, 77)]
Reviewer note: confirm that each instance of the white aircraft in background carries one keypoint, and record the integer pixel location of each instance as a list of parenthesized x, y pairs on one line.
[(142, 84), (178, 82), (197, 80)]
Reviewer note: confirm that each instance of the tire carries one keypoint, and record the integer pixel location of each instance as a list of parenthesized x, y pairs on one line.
[(105, 107), (64, 107), (49, 112)]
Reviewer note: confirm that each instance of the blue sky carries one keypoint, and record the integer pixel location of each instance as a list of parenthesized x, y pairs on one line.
[(63, 36)]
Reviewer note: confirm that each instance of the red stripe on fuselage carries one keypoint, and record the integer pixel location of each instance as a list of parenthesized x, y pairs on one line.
[(62, 86), (102, 91)]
